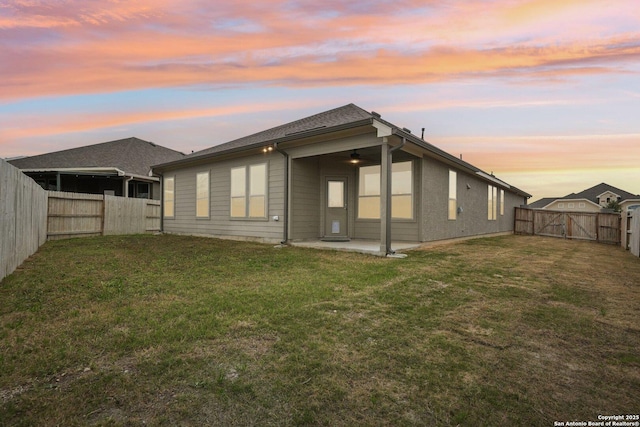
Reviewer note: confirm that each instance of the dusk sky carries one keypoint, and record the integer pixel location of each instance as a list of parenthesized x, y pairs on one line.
[(544, 93)]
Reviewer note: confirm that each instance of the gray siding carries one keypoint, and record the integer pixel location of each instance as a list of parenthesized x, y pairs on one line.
[(219, 222), (471, 197), (305, 199)]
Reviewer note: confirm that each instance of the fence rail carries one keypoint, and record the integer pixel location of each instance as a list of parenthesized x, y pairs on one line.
[(77, 215), (595, 226)]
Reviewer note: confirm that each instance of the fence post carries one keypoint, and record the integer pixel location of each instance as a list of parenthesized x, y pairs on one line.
[(533, 222)]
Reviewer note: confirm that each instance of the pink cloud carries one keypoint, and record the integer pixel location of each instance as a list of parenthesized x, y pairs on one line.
[(97, 47), (165, 60)]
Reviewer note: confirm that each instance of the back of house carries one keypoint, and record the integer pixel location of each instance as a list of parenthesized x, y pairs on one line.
[(341, 174)]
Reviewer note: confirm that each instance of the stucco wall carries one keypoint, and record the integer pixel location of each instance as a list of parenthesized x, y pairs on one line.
[(471, 199)]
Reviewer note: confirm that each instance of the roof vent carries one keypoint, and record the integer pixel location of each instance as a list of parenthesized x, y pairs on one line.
[(406, 130), (374, 114)]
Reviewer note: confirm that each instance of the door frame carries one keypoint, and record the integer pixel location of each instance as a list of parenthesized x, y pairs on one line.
[(325, 206)]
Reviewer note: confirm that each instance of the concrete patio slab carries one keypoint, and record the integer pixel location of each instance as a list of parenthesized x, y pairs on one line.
[(371, 247)]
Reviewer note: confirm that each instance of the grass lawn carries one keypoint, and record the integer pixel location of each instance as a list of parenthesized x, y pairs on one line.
[(171, 330)]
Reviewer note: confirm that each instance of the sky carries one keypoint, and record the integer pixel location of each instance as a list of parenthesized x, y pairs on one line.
[(544, 93)]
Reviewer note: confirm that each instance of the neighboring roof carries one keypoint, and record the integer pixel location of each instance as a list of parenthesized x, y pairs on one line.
[(590, 194), (539, 204), (597, 190), (131, 155), (345, 117)]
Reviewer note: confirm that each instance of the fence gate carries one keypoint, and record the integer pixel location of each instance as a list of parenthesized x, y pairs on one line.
[(595, 226)]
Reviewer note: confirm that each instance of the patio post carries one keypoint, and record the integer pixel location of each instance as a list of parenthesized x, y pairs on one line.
[(385, 198)]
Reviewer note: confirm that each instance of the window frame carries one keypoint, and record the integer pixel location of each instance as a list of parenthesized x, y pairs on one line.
[(501, 202), (492, 203), (248, 196), (165, 193), (360, 197), (452, 214), (207, 196), (362, 185)]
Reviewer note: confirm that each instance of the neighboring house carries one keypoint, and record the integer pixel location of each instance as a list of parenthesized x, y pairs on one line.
[(592, 199), (118, 168), (338, 175)]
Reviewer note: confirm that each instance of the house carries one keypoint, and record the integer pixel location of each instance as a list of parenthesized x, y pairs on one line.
[(117, 168), (341, 174), (592, 199)]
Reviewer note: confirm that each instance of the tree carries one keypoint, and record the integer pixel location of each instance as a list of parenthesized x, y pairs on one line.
[(613, 204)]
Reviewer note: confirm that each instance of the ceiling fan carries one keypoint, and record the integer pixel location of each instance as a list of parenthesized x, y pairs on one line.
[(355, 158)]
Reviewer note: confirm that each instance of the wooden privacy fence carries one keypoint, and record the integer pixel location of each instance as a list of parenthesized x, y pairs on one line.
[(30, 215), (596, 226), (76, 215), (23, 218)]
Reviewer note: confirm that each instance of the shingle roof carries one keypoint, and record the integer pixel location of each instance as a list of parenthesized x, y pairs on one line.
[(539, 204), (347, 116), (132, 155), (593, 193), (328, 119)]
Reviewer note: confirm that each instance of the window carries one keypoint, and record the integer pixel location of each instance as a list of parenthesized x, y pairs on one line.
[(453, 202), (571, 205), (258, 191), (238, 192), (581, 205), (492, 196), (249, 191), (369, 192), (202, 195), (501, 202), (401, 191), (169, 197), (335, 194), (143, 190), (560, 205)]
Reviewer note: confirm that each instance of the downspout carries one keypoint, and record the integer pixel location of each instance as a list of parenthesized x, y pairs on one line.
[(388, 250), (126, 185), (285, 234)]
